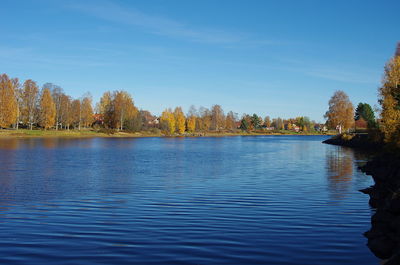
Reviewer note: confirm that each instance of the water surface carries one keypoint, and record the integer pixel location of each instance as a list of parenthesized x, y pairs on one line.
[(228, 200)]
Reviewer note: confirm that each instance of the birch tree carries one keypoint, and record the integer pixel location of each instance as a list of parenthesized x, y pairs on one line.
[(47, 110), (29, 110), (340, 114), (8, 101)]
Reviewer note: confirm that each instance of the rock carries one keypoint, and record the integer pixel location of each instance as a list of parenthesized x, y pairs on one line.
[(367, 190), (394, 206), (384, 235), (394, 260), (383, 247)]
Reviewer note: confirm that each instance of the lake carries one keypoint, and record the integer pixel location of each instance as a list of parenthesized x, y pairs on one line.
[(225, 200)]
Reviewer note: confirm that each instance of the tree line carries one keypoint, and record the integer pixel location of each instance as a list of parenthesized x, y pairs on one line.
[(49, 107), (27, 105), (389, 99), (340, 113)]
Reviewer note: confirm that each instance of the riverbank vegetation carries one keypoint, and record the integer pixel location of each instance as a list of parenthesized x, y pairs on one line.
[(27, 110), (383, 137), (384, 131)]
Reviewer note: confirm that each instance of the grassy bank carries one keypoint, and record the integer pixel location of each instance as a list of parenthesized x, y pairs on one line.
[(23, 133)]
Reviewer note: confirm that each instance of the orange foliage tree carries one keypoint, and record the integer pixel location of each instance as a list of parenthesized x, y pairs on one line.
[(47, 109)]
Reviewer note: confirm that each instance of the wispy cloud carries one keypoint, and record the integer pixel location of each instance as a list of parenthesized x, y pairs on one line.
[(156, 24), (348, 73), (355, 76), (29, 56)]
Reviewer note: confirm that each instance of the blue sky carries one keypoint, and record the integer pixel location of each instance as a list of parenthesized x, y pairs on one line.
[(277, 58)]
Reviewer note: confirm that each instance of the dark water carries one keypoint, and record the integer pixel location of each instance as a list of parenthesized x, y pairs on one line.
[(231, 200)]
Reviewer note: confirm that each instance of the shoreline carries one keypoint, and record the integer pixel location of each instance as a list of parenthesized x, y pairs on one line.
[(22, 133), (383, 237), (361, 141)]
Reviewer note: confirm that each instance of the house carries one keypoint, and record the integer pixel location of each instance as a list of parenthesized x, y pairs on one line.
[(154, 121), (361, 124), (98, 119)]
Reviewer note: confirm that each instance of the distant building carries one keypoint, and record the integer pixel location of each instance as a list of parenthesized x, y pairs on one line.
[(320, 128), (398, 50), (98, 119), (154, 121), (361, 123)]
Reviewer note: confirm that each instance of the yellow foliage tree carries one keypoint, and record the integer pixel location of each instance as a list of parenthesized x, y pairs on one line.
[(341, 111), (106, 108), (168, 121), (87, 111), (230, 121), (389, 94), (47, 109), (123, 108), (179, 120), (191, 124), (76, 113), (8, 101)]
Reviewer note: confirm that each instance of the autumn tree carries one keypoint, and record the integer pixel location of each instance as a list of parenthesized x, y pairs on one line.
[(340, 114), (137, 122), (29, 111), (123, 108), (66, 112), (267, 121), (168, 121), (86, 110), (179, 120), (205, 119), (279, 124), (217, 118), (289, 125), (145, 120), (18, 97), (389, 98), (76, 113), (47, 109), (106, 109), (56, 94), (230, 121), (8, 101), (191, 119)]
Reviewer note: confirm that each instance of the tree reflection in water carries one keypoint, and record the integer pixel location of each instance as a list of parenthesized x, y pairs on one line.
[(339, 166)]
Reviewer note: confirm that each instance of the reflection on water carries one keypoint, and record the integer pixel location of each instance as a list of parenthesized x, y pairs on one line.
[(228, 200), (339, 164), (9, 144)]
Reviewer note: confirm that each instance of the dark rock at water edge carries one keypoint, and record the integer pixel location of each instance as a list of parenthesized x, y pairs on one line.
[(358, 140), (384, 235)]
